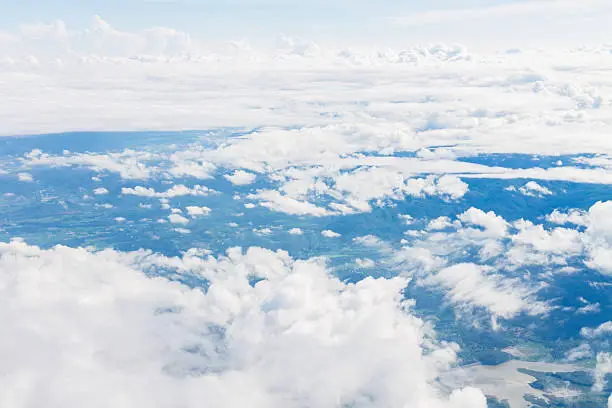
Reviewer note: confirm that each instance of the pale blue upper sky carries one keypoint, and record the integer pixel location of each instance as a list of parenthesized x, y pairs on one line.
[(341, 20)]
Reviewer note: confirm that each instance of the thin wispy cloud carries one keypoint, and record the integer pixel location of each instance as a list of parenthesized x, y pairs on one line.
[(544, 8)]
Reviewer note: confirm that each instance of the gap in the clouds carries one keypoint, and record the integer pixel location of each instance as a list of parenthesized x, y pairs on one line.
[(522, 161), (105, 141), (493, 195)]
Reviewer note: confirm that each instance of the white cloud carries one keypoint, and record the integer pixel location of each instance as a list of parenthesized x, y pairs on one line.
[(175, 191), (602, 368), (296, 231), (580, 352), (439, 223), (575, 217), (589, 308), (276, 201), (241, 178), (598, 237), (262, 231), (493, 224), (471, 285), (330, 234), (25, 177), (178, 219), (408, 219), (533, 189), (107, 327), (129, 164), (601, 330), (195, 211), (100, 191), (563, 241)]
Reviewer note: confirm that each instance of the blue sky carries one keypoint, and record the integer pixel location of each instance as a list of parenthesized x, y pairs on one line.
[(466, 21)]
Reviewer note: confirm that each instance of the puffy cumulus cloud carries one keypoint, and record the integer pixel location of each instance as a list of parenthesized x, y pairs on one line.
[(362, 186), (521, 243), (470, 285), (533, 243), (196, 211), (93, 328), (439, 223), (241, 178), (262, 231), (492, 224), (481, 260), (533, 189), (598, 237), (601, 330), (418, 259), (296, 231), (129, 164), (576, 217), (353, 191), (100, 191), (189, 163), (178, 219), (175, 191), (330, 234)]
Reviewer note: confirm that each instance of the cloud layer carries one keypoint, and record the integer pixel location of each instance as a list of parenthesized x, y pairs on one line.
[(92, 328)]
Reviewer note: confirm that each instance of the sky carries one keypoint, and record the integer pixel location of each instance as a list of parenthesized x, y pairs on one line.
[(390, 22)]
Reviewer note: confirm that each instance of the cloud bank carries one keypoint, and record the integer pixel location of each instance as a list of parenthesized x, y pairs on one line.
[(93, 328)]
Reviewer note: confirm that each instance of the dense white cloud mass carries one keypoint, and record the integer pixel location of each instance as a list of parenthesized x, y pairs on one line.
[(372, 126), (599, 236), (486, 103), (92, 328)]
